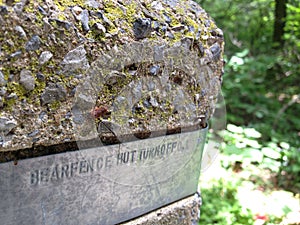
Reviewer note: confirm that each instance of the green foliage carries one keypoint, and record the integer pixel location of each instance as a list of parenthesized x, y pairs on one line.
[(244, 145), (261, 89), (221, 206)]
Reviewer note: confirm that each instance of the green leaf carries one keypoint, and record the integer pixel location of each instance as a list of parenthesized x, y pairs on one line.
[(252, 143), (271, 153), (242, 54), (285, 145), (271, 164), (251, 132), (234, 129), (254, 155)]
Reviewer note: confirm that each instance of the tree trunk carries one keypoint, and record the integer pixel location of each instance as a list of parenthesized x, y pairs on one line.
[(279, 24)]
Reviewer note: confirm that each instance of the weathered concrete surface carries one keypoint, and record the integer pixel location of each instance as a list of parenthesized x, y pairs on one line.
[(50, 48), (183, 212), (66, 63)]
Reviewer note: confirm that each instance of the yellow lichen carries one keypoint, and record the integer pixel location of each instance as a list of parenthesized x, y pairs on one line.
[(62, 5)]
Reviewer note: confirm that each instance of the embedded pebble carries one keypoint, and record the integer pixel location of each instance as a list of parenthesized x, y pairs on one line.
[(1, 102), (93, 4), (18, 7), (61, 23), (154, 70), (34, 133), (52, 93), (2, 79), (45, 57), (16, 54), (75, 60), (216, 51), (40, 76), (27, 80), (171, 3), (142, 28), (6, 125), (3, 10), (33, 44), (84, 18), (99, 28), (42, 10), (21, 31)]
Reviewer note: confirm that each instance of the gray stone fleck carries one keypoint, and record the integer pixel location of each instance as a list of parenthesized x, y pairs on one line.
[(146, 103), (43, 116), (77, 116), (186, 43), (154, 70), (68, 115), (101, 15), (2, 79), (3, 10), (84, 101), (171, 3), (12, 96), (18, 7), (27, 80), (52, 93), (149, 14), (170, 35), (99, 28), (84, 18), (6, 125), (3, 91), (158, 53), (178, 27), (107, 126), (45, 57), (167, 19), (216, 51), (40, 76), (153, 102), (201, 49), (156, 25), (34, 133), (164, 28), (1, 102), (151, 86), (157, 6), (21, 31), (42, 10), (16, 54), (76, 10), (33, 44), (207, 23), (61, 23), (114, 77), (194, 7), (75, 60), (92, 3), (142, 28), (191, 29)]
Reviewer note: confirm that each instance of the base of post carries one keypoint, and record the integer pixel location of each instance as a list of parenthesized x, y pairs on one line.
[(183, 212)]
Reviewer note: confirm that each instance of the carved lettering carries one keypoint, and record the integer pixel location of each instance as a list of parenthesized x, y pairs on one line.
[(89, 166)]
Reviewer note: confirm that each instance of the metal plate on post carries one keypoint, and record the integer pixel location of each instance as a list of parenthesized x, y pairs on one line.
[(105, 185)]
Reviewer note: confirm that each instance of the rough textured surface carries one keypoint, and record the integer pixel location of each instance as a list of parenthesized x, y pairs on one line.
[(74, 69), (51, 49), (184, 212)]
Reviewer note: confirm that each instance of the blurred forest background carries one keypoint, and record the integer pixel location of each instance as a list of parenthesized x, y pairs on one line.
[(261, 86)]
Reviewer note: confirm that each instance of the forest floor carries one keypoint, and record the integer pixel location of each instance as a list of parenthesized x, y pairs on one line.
[(254, 192)]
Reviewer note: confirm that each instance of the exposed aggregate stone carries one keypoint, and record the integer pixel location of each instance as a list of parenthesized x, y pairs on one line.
[(48, 48)]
